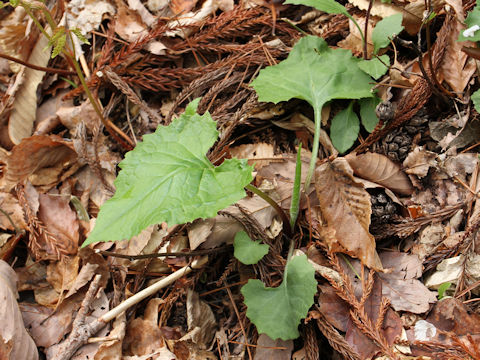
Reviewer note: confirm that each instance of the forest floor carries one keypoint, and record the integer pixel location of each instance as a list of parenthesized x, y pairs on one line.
[(376, 260)]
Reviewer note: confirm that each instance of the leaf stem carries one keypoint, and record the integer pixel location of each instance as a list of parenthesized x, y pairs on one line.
[(364, 41), (367, 17), (280, 212), (316, 143), (295, 203)]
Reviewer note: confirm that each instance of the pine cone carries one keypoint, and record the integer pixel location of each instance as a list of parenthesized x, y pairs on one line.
[(383, 208), (397, 144)]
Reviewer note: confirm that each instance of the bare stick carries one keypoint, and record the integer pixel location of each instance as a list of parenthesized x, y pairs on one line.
[(81, 331)]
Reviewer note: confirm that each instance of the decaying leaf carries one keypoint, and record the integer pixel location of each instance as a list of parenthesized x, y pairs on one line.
[(269, 349), (10, 205), (13, 336), (381, 170), (60, 221), (345, 205), (144, 336), (35, 153), (401, 284), (24, 109), (261, 151), (419, 161), (87, 15), (200, 319), (353, 41), (448, 270), (457, 67)]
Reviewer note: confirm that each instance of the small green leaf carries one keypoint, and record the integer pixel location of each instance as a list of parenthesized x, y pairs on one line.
[(472, 19), (367, 112), (476, 100), (168, 178), (247, 250), (432, 16), (14, 3), (386, 1), (442, 288), (374, 67), (277, 311), (344, 129), (385, 30), (59, 45), (57, 33), (328, 6), (80, 36)]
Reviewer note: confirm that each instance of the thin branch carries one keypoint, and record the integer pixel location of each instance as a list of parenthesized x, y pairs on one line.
[(36, 67)]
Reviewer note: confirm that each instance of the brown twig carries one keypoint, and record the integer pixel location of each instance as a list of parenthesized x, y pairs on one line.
[(36, 67), (179, 254)]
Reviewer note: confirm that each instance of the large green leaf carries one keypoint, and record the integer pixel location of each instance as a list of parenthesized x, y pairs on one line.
[(385, 30), (168, 178), (277, 311), (247, 250), (317, 74)]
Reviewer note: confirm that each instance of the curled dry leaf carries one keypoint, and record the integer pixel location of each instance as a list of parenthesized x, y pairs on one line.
[(35, 153), (381, 170), (201, 320), (15, 342), (345, 205), (419, 161), (24, 109)]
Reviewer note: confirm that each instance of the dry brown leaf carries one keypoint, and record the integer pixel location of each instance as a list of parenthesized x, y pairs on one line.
[(87, 15), (346, 207), (145, 15), (22, 117), (401, 285), (129, 25), (381, 170), (35, 153), (32, 276), (13, 335), (261, 151), (86, 274), (71, 116), (10, 205), (62, 274), (12, 37), (201, 320), (99, 307), (182, 6), (47, 326), (46, 118), (269, 349), (143, 336), (354, 41), (412, 12), (419, 161), (112, 349), (60, 221), (457, 67)]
